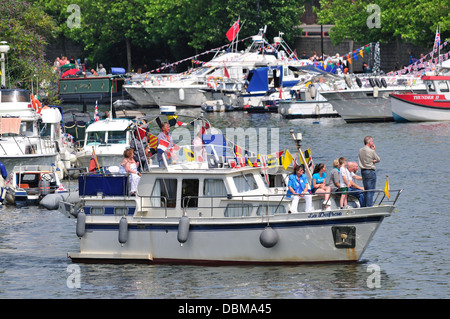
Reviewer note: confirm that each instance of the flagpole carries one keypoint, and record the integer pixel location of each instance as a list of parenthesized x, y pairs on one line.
[(298, 142)]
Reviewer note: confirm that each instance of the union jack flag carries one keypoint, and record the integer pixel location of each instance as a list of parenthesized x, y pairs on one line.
[(437, 40)]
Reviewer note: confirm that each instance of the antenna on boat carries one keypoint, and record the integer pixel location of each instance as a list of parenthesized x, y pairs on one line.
[(111, 102), (298, 142)]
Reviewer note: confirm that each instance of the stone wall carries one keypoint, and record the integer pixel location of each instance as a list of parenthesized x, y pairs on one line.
[(63, 47)]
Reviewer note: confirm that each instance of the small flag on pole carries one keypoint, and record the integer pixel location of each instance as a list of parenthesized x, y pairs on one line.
[(96, 117), (386, 187), (92, 164), (287, 159), (233, 31)]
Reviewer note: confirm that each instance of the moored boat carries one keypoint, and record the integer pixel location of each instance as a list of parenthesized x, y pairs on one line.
[(434, 105), (29, 134), (366, 99), (215, 211), (27, 185), (107, 139)]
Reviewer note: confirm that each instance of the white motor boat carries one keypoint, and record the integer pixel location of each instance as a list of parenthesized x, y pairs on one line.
[(434, 105), (105, 141), (195, 88), (213, 212), (306, 103), (21, 142), (366, 99), (27, 185)]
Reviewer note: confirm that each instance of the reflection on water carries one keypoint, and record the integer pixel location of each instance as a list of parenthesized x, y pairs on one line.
[(410, 248)]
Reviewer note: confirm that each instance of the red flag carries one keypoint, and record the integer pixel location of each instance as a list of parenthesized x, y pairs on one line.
[(225, 72), (92, 165), (233, 31)]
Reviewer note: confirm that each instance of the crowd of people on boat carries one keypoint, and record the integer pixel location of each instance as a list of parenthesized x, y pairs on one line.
[(342, 181), (70, 67)]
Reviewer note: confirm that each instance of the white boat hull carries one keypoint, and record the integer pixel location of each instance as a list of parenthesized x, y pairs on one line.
[(306, 109), (361, 106), (177, 96), (303, 237), (404, 111), (140, 95)]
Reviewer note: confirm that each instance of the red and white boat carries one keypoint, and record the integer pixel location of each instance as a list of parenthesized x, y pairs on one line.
[(431, 106)]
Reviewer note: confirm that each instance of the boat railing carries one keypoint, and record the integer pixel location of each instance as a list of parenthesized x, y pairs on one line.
[(243, 205), (380, 197), (34, 144)]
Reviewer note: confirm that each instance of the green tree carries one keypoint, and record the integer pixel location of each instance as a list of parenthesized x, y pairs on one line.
[(27, 37), (169, 29), (414, 21)]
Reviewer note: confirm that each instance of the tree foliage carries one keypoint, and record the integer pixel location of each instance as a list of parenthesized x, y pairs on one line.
[(413, 21), (169, 29), (27, 37)]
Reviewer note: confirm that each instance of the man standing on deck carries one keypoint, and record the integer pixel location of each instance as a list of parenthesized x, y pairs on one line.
[(367, 158)]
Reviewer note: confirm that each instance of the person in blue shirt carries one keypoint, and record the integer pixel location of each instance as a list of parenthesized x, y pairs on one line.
[(319, 186), (3, 177), (298, 186)]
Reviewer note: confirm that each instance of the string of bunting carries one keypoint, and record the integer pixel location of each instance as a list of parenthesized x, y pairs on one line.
[(242, 157), (421, 66), (192, 58)]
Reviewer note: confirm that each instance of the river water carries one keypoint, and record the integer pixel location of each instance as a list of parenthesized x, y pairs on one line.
[(408, 257)]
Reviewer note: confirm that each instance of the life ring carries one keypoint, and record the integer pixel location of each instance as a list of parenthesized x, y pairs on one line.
[(39, 106), (372, 82), (383, 82), (33, 102), (209, 82)]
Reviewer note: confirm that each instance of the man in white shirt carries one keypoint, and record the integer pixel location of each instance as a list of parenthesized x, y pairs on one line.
[(355, 189)]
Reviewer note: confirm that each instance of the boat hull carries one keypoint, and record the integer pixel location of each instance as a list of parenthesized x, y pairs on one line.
[(177, 96), (140, 95), (361, 106), (306, 109), (302, 238), (420, 107)]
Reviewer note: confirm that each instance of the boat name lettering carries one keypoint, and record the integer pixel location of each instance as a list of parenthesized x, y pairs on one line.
[(425, 97), (324, 214)]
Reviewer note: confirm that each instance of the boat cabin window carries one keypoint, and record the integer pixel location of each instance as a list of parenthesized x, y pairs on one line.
[(214, 187), (98, 211), (31, 180), (95, 138), (443, 86), (264, 210), (245, 183), (120, 211), (15, 96), (238, 210), (276, 180), (164, 191), (430, 86), (189, 193), (117, 137), (26, 128)]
